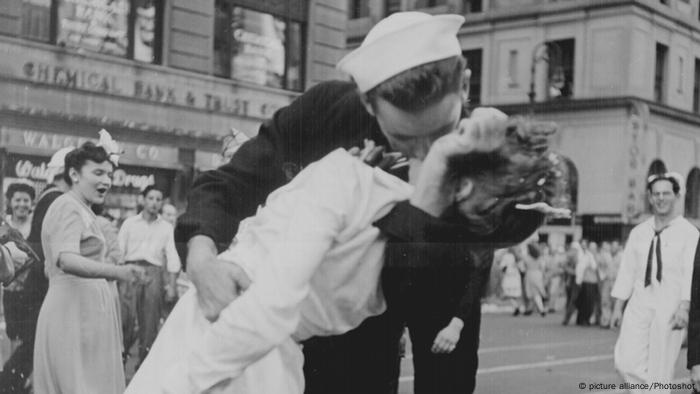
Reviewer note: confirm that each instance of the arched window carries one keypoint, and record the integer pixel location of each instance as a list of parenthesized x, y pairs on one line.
[(656, 167), (692, 194)]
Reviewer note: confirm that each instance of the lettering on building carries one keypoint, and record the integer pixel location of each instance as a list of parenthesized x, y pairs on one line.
[(88, 79)]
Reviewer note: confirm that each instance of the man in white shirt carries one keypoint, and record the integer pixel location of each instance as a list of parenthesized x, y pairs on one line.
[(655, 276), (147, 239)]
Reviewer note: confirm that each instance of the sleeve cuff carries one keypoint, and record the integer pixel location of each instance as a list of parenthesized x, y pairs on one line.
[(410, 224)]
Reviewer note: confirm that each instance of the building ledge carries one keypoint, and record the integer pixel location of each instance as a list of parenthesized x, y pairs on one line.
[(569, 105), (135, 131)]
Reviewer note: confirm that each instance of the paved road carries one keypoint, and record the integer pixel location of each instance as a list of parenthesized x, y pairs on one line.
[(535, 355)]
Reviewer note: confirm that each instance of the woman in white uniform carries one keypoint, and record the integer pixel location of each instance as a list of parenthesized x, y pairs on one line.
[(314, 258)]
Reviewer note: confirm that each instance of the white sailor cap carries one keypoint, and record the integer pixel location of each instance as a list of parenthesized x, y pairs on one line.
[(399, 42)]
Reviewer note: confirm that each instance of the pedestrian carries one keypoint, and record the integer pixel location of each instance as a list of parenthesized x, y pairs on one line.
[(315, 259), (409, 88), (556, 288), (510, 282), (572, 287), (169, 213), (655, 279), (606, 272), (147, 240), (587, 280), (534, 279), (600, 276), (18, 368), (20, 198), (77, 346)]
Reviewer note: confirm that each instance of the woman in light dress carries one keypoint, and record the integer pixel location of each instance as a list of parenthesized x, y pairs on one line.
[(78, 347), (511, 282)]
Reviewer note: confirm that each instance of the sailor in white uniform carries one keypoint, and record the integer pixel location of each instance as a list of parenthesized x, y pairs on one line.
[(655, 276)]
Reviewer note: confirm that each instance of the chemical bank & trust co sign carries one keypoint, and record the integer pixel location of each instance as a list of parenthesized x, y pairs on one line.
[(77, 78), (127, 79)]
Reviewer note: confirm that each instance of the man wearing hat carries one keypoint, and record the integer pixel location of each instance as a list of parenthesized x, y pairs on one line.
[(408, 89), (655, 280), (17, 369)]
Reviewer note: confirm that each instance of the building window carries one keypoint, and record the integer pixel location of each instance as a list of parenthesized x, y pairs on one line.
[(472, 6), (36, 20), (474, 63), (124, 28), (696, 87), (692, 194), (513, 68), (359, 9), (392, 6), (258, 47), (119, 27), (660, 73), (428, 3), (561, 75)]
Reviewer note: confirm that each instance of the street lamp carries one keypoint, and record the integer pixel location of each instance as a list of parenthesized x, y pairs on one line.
[(550, 53)]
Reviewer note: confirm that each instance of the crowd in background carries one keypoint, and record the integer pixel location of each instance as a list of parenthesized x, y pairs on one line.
[(576, 279), (16, 298)]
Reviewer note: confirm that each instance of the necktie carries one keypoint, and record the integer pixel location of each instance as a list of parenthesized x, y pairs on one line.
[(659, 263)]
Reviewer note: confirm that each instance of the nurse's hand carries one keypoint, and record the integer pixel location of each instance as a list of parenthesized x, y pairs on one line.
[(484, 131), (679, 320)]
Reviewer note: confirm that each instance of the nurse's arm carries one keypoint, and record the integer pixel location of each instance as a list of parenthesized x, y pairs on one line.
[(265, 315)]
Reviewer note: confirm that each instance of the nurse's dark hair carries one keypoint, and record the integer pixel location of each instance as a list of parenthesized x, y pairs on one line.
[(523, 171), (421, 86), (78, 157)]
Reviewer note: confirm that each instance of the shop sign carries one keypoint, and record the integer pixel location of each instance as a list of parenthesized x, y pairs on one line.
[(51, 142), (84, 78), (607, 219), (125, 178)]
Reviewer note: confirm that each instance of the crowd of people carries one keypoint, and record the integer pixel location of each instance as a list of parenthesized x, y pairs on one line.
[(576, 279), (66, 312), (362, 208)]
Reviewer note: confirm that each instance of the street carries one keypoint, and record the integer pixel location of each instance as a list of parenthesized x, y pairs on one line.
[(535, 355)]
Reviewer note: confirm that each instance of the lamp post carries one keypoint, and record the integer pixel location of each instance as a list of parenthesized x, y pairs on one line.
[(550, 53)]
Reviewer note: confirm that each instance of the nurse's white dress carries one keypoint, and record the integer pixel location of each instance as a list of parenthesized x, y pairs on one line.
[(314, 259)]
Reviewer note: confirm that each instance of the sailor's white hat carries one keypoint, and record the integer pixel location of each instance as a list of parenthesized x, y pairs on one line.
[(399, 42)]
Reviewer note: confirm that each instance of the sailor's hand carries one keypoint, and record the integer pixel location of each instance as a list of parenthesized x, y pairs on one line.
[(447, 339), (218, 282)]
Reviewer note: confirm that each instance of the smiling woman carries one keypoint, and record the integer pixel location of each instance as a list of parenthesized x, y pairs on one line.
[(78, 341)]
